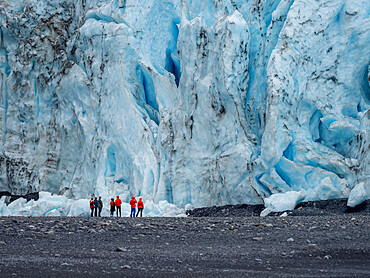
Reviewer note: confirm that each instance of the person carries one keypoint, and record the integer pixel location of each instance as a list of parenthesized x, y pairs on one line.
[(96, 206), (92, 206), (112, 207), (140, 207), (133, 206), (118, 204), (100, 205)]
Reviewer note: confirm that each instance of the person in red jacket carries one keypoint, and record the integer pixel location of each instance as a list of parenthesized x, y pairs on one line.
[(92, 206), (118, 204), (140, 207), (133, 206)]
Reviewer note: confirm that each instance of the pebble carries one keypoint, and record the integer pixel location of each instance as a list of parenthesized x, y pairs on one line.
[(313, 247), (125, 266), (269, 225), (284, 215), (3, 242), (290, 239), (257, 238), (120, 249), (327, 257)]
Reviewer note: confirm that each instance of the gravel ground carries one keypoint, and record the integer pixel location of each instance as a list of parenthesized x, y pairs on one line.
[(333, 245), (317, 208)]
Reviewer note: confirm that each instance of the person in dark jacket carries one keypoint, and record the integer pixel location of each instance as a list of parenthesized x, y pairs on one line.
[(112, 207), (96, 207), (133, 207), (140, 207), (100, 205), (92, 206)]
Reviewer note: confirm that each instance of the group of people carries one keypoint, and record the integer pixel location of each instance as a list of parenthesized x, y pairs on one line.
[(96, 205), (115, 205)]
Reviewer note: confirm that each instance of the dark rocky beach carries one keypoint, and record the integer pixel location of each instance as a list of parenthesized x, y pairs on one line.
[(230, 241)]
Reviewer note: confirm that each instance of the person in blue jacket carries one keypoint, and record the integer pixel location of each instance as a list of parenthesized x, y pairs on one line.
[(96, 206)]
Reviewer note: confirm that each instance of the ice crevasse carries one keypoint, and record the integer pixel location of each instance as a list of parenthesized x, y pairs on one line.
[(184, 103)]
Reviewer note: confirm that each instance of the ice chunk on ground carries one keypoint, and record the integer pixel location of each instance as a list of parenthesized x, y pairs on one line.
[(358, 194), (265, 212), (284, 201), (289, 200)]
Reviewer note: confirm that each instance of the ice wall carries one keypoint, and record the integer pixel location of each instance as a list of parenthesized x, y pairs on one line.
[(191, 102)]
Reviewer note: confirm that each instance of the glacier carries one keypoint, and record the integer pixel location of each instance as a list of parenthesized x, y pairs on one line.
[(184, 103)]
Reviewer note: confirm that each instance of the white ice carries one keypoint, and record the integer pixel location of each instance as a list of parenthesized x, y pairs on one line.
[(56, 205), (358, 194)]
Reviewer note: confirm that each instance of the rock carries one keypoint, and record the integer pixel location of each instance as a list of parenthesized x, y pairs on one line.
[(290, 239), (2, 242), (126, 266), (257, 238), (269, 225), (327, 257), (313, 247), (121, 249), (284, 214)]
